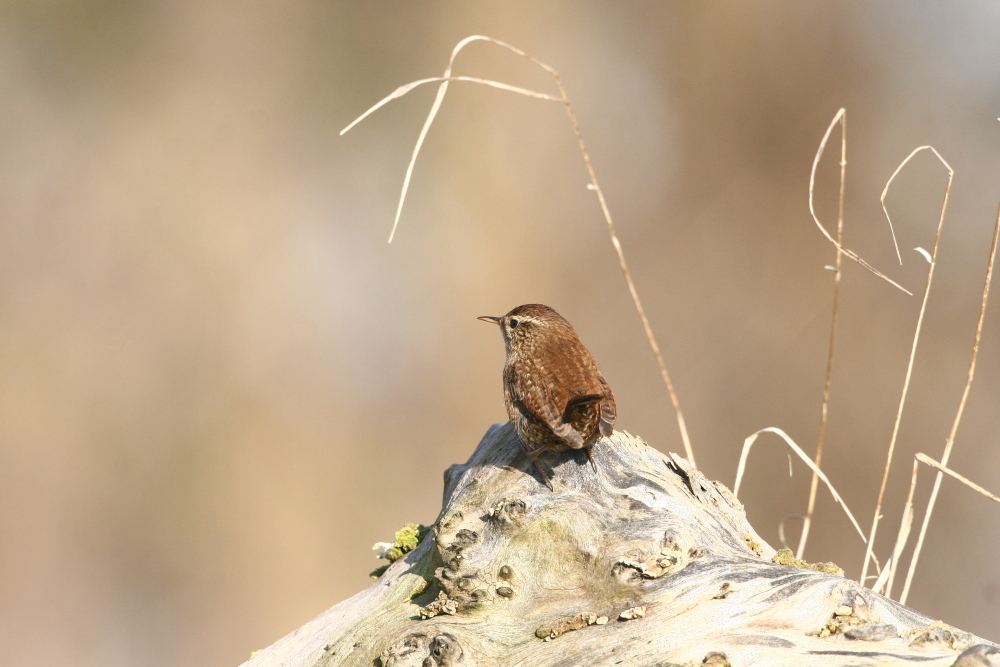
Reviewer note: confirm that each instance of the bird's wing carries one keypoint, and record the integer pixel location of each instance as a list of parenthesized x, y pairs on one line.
[(531, 397)]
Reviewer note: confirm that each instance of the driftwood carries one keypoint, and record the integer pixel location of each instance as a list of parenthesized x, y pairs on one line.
[(643, 562)]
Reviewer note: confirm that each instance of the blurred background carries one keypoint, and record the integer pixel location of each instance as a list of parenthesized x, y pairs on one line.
[(220, 386)]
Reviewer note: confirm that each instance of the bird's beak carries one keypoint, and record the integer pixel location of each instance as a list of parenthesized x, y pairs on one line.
[(489, 318)]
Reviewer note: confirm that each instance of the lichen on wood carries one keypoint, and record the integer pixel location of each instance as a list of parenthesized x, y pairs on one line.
[(405, 540), (641, 562)]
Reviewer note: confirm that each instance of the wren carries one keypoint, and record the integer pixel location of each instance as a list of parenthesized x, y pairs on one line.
[(556, 396)]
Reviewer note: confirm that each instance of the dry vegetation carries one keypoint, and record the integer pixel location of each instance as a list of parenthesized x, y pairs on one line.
[(449, 600), (884, 582)]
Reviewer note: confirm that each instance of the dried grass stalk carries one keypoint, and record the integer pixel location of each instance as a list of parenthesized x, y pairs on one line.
[(949, 445), (812, 209), (888, 574), (923, 458), (913, 347), (814, 483), (447, 78), (748, 443)]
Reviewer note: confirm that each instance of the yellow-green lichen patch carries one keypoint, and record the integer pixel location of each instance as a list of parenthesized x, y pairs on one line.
[(560, 549), (785, 557), (753, 544), (552, 549), (406, 540)]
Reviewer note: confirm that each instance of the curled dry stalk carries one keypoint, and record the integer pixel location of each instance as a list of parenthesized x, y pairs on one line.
[(447, 78), (916, 339), (958, 417), (840, 117), (841, 249), (748, 443)]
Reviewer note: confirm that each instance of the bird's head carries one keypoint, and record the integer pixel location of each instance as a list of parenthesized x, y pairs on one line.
[(527, 321)]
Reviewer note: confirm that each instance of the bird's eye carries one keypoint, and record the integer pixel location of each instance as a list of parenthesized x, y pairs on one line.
[(514, 322)]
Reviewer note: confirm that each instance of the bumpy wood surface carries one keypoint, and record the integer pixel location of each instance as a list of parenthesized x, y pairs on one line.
[(539, 577)]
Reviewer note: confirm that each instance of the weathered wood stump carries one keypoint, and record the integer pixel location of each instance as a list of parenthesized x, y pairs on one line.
[(642, 563)]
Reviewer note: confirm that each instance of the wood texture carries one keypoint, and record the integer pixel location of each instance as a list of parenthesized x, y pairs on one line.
[(539, 577)]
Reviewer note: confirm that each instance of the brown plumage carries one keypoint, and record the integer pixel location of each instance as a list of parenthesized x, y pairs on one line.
[(555, 394)]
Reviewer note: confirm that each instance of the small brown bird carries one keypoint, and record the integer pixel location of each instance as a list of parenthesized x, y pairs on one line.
[(555, 394)]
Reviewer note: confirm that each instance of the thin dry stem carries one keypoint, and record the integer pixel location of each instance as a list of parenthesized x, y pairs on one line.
[(913, 348), (888, 574), (781, 528), (404, 89), (748, 443), (814, 484), (812, 209), (923, 458), (689, 452), (445, 79), (958, 415), (885, 191)]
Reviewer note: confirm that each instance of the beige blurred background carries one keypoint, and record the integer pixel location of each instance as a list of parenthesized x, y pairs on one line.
[(220, 385)]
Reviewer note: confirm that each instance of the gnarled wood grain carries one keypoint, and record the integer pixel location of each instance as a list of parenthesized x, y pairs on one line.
[(539, 577)]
